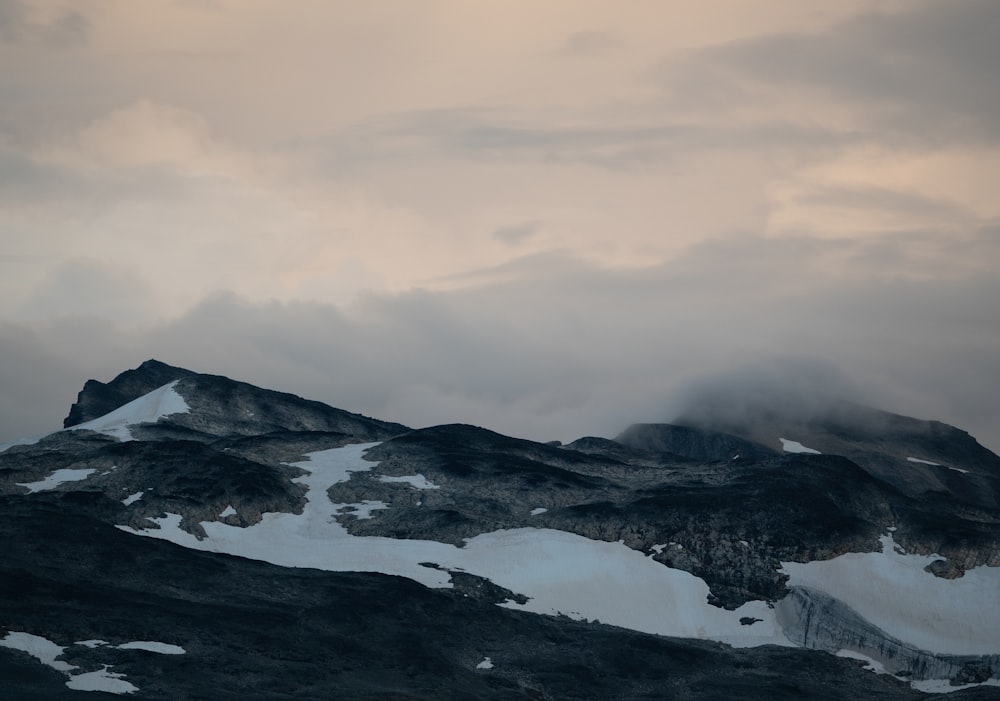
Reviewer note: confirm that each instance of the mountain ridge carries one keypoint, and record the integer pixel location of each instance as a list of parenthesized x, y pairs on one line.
[(701, 512)]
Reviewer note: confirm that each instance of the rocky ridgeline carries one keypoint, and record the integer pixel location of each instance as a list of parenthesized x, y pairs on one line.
[(724, 503)]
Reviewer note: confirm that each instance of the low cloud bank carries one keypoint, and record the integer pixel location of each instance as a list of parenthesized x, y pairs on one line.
[(554, 348)]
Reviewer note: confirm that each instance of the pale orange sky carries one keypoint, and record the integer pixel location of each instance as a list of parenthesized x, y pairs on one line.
[(337, 155)]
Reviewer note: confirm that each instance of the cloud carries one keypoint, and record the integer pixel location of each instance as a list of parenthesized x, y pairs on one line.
[(926, 210), (558, 348), (91, 289), (648, 138), (590, 44), (925, 72), (145, 134), (20, 23), (518, 233), (203, 5), (787, 388)]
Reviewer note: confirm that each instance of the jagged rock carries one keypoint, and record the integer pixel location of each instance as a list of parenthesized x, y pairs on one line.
[(973, 673), (945, 569)]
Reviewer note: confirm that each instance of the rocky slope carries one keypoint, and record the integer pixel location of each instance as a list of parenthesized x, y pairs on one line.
[(718, 529)]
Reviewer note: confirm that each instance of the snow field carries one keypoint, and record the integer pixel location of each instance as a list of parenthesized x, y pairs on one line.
[(790, 446), (55, 479), (563, 573), (101, 680), (891, 590)]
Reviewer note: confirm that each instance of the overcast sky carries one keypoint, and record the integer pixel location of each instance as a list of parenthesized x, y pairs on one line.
[(549, 218)]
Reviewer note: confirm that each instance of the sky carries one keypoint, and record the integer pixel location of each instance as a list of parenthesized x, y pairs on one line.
[(552, 219)]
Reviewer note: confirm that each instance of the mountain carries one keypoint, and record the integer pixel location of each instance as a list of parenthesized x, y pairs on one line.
[(188, 536)]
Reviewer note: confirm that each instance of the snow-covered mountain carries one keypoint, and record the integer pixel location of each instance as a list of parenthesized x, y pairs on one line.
[(190, 536)]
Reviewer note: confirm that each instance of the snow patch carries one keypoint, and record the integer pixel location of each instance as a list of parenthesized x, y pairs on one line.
[(153, 646), (795, 447), (42, 649), (132, 498), (418, 481), (56, 478), (658, 548), (873, 664), (228, 511), (91, 643), (46, 652), (538, 510), (487, 663), (362, 509), (943, 686), (101, 680), (924, 462), (892, 591)]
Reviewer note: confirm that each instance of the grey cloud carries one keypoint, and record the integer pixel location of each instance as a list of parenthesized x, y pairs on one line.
[(785, 387), (928, 71), (888, 200), (590, 44), (17, 24), (482, 134), (13, 18), (45, 364), (556, 348), (27, 181), (517, 233), (204, 5), (90, 289)]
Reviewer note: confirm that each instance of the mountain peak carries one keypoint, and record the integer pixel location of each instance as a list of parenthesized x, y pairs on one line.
[(98, 398), (219, 407)]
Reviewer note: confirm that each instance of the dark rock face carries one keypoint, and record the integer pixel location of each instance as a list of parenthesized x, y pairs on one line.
[(949, 483), (719, 501), (893, 448), (692, 443)]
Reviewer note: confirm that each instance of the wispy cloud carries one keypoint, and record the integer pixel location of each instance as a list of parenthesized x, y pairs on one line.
[(925, 72)]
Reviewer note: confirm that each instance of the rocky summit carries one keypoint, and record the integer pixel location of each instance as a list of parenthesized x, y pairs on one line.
[(189, 536)]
